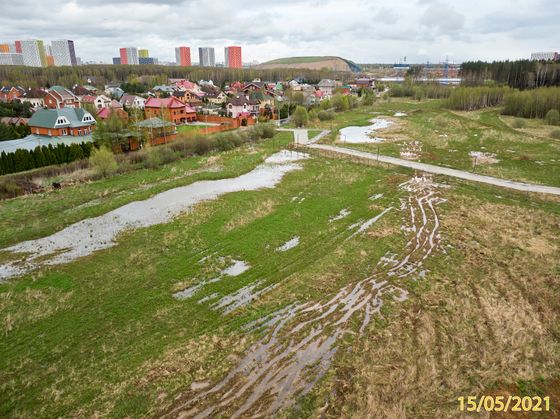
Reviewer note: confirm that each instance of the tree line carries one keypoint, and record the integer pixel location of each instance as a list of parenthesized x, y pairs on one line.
[(520, 74), (532, 103), (41, 156), (100, 75)]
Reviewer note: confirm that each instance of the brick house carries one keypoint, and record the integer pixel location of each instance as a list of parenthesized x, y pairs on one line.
[(61, 97), (170, 109), (9, 93), (63, 121)]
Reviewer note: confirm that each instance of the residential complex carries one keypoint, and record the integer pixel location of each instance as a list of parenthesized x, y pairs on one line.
[(33, 52), (183, 56), (143, 53), (129, 55), (63, 52), (232, 57), (206, 57)]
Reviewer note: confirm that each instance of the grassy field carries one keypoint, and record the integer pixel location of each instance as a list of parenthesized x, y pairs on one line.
[(446, 138), (104, 336)]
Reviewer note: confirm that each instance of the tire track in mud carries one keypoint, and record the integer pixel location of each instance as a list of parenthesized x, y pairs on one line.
[(300, 340)]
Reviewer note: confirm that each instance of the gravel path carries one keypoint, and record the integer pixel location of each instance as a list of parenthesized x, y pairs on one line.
[(429, 168)]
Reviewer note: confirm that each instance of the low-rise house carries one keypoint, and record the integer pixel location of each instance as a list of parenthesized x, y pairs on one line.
[(253, 86), (216, 98), (84, 90), (62, 121), (327, 86), (365, 83), (114, 89), (190, 97), (242, 105), (170, 109), (35, 96), (102, 101), (9, 93), (114, 108), (14, 120), (156, 130), (133, 101), (158, 90), (60, 97)]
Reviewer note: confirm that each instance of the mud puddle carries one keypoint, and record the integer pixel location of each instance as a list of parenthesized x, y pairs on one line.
[(300, 340)]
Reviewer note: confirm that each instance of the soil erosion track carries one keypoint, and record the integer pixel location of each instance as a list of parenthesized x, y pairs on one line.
[(299, 341)]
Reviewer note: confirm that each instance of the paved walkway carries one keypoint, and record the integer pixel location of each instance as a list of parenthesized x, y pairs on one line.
[(429, 168)]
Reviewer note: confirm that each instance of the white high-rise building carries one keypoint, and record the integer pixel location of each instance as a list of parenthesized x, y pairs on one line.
[(33, 52), (63, 52), (206, 57), (11, 58)]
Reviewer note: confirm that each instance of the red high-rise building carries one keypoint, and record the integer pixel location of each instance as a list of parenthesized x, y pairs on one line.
[(124, 58), (233, 57), (183, 56), (18, 47)]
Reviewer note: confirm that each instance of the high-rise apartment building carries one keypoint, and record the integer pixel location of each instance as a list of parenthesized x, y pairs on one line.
[(33, 52), (11, 58), (183, 56), (5, 48), (232, 57), (129, 55), (17, 44), (63, 52), (143, 53), (206, 57)]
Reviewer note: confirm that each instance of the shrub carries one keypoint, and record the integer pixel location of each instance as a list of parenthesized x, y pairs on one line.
[(555, 133), (519, 123), (325, 116), (202, 145), (300, 116), (268, 131), (103, 161), (552, 117)]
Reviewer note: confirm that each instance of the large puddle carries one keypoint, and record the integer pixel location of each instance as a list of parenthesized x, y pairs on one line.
[(92, 234), (356, 135)]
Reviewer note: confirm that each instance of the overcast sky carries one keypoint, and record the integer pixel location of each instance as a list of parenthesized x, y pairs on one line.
[(363, 31)]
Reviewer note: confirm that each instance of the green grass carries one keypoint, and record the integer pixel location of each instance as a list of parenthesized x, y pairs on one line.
[(103, 335), (448, 137), (102, 320), (195, 129)]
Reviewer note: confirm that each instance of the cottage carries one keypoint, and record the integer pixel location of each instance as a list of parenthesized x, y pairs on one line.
[(133, 101), (216, 98), (170, 109), (60, 97), (327, 86), (242, 105), (9, 93), (114, 108), (35, 96), (62, 121)]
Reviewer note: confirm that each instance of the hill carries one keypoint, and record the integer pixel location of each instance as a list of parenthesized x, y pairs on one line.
[(312, 63)]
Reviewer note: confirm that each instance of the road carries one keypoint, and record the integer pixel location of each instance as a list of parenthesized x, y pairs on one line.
[(429, 168)]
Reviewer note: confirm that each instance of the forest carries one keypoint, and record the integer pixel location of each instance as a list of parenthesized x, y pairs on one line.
[(520, 74), (99, 75)]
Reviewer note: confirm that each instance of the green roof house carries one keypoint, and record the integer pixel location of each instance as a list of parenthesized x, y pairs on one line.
[(63, 121)]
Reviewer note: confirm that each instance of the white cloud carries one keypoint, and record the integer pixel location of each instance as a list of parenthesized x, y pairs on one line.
[(359, 30)]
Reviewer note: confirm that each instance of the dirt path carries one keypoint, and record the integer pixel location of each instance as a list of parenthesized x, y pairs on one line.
[(504, 183), (300, 340)]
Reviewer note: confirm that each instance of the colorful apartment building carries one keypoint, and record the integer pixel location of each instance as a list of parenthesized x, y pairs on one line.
[(232, 57), (169, 109), (183, 56)]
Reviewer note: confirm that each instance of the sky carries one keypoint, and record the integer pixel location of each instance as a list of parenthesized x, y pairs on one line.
[(375, 31)]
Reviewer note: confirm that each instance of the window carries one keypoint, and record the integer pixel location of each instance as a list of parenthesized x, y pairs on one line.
[(64, 132), (80, 131), (50, 132)]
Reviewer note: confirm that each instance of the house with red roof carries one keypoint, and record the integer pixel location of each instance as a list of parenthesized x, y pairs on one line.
[(114, 108), (169, 109)]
